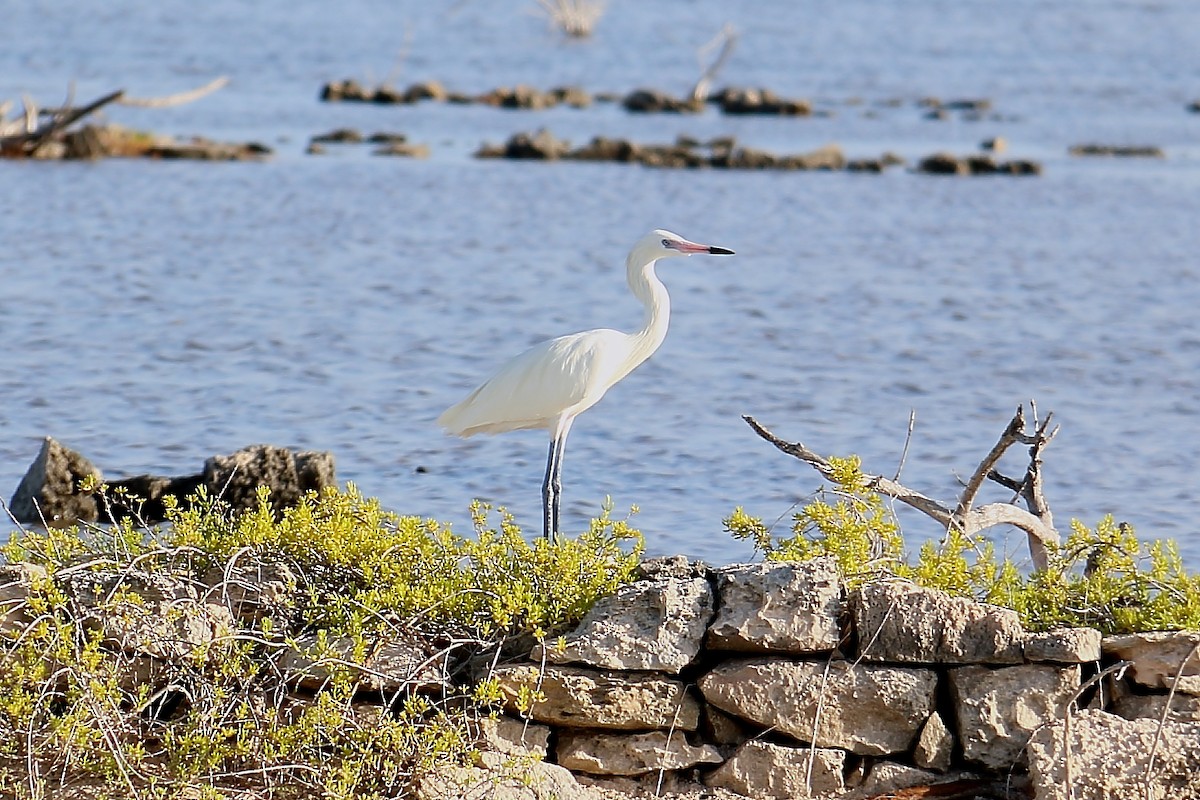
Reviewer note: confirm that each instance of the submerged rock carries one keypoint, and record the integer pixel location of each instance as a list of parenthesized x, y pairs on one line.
[(759, 101), (540, 146), (652, 101), (1122, 151)]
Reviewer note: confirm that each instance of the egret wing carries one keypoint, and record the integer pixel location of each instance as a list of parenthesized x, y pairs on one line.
[(536, 388)]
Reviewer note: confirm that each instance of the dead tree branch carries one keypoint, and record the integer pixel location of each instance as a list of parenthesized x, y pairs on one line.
[(177, 99), (65, 119), (964, 517), (726, 38)]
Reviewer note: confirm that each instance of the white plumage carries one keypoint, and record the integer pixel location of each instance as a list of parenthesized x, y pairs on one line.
[(554, 381)]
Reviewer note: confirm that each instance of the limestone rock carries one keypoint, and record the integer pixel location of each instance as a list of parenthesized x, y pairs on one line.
[(719, 728), (901, 622), (576, 697), (148, 613), (646, 625), (766, 771), (15, 583), (523, 780), (253, 592), (870, 710), (514, 737), (889, 779), (50, 489), (236, 477), (671, 567), (1110, 758), (1064, 646), (1157, 657), (779, 607), (1184, 707), (389, 664), (998, 709), (935, 745), (630, 754)]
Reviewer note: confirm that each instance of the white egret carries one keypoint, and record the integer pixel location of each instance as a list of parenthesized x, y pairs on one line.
[(553, 382)]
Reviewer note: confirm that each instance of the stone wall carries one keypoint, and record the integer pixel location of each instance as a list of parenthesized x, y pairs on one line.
[(771, 681), (756, 680)]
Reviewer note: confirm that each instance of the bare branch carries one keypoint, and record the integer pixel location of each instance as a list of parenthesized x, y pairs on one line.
[(886, 486), (401, 58), (726, 38), (912, 423), (1011, 435), (1034, 498), (178, 99), (1040, 534), (65, 119)]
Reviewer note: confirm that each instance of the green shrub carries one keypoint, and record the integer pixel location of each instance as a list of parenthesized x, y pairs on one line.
[(222, 715), (1102, 577)]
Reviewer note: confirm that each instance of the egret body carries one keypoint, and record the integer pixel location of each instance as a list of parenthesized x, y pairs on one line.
[(554, 381)]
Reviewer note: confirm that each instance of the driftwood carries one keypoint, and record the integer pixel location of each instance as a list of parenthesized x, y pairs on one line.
[(1037, 522), (36, 135), (178, 99), (48, 133), (726, 39)]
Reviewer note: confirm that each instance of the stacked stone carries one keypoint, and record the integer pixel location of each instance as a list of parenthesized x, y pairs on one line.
[(769, 680), (763, 680)]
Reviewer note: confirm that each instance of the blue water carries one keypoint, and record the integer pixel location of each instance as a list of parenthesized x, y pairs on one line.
[(152, 314)]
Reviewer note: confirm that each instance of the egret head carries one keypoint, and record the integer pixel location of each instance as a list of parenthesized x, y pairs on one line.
[(664, 244)]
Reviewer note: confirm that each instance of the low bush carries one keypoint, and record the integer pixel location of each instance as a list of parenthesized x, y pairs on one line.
[(129, 659), (1101, 576)]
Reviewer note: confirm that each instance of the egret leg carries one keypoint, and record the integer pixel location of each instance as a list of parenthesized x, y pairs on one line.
[(552, 486)]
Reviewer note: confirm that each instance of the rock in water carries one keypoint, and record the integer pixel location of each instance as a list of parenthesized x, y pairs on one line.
[(236, 477), (49, 492)]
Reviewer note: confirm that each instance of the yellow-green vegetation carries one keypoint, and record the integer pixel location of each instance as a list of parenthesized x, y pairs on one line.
[(1101, 576), (160, 662)]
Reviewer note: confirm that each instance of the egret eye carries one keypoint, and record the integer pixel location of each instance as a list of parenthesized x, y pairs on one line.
[(666, 242)]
